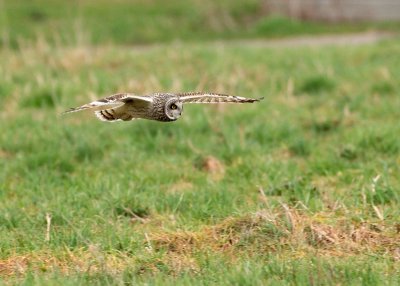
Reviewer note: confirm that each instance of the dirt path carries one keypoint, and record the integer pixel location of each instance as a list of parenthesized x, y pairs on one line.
[(317, 41), (294, 42)]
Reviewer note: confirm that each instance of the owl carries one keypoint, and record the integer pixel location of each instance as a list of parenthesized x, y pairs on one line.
[(164, 107)]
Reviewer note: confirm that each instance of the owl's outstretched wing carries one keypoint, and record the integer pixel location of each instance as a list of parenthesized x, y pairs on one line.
[(113, 101), (201, 97)]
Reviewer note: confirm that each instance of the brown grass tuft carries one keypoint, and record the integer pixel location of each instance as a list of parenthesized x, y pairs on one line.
[(213, 167), (13, 265), (286, 230), (5, 155)]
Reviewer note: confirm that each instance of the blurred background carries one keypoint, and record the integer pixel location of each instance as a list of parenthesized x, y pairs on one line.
[(149, 21)]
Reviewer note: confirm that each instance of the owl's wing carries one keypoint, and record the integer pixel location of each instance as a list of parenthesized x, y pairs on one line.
[(201, 97), (113, 101)]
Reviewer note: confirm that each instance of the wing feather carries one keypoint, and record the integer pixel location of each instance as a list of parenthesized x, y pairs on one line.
[(113, 101), (202, 97)]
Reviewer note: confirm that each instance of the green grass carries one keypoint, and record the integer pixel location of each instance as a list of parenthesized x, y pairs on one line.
[(301, 188), (136, 202), (139, 21)]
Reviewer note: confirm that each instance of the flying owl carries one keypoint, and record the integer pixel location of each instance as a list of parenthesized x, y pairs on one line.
[(164, 107)]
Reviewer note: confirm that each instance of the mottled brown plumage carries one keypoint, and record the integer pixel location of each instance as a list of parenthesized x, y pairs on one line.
[(163, 107)]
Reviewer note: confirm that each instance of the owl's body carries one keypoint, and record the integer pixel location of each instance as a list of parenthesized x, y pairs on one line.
[(151, 108), (164, 107)]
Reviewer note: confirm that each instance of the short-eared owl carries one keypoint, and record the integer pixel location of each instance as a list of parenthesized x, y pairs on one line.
[(158, 106)]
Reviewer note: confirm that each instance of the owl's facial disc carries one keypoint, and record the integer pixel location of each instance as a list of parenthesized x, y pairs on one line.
[(173, 109)]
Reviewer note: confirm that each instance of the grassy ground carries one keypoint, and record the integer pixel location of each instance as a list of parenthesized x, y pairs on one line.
[(302, 188), (140, 21)]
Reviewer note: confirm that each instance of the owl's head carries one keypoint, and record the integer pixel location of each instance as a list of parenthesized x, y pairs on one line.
[(173, 108)]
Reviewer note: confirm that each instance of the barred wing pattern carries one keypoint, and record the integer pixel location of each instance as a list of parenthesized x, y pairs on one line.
[(113, 101), (163, 107), (200, 97)]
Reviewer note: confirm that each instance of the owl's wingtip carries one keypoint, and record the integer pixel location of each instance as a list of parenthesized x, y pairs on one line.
[(257, 99), (68, 111)]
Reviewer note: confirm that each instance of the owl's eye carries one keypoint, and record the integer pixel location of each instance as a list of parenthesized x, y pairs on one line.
[(173, 106)]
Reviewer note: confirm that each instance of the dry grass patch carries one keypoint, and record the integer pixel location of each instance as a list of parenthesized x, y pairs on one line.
[(286, 230), (91, 260)]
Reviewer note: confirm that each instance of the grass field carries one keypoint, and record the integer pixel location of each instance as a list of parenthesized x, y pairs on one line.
[(302, 188)]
